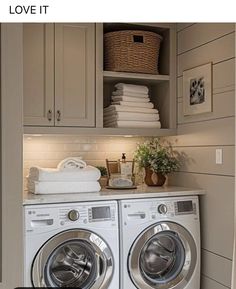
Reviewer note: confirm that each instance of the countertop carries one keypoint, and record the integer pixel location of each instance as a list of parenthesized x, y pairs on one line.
[(113, 194)]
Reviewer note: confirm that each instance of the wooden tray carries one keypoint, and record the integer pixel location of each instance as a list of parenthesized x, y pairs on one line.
[(121, 188)]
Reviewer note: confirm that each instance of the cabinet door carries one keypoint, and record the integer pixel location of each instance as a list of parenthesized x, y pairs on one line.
[(38, 74), (75, 74)]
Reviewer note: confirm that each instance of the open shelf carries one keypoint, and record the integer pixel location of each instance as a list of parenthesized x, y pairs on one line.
[(162, 87), (99, 131), (111, 76)]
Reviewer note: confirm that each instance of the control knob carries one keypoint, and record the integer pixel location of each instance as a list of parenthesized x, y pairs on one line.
[(162, 209), (73, 215)]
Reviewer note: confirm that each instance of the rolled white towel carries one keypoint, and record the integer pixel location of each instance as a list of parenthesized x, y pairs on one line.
[(120, 182), (71, 163), (122, 108), (137, 116), (133, 124), (134, 104), (128, 93), (132, 87), (130, 98), (89, 173), (48, 188)]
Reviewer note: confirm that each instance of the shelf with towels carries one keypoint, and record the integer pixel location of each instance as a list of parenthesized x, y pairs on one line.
[(161, 88)]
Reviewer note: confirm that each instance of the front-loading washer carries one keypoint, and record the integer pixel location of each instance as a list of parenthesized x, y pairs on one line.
[(72, 245), (160, 243)]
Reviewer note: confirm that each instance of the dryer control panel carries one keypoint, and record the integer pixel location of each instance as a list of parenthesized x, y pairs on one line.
[(162, 208), (175, 208)]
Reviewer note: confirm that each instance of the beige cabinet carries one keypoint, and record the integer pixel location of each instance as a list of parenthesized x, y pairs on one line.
[(38, 72), (59, 74)]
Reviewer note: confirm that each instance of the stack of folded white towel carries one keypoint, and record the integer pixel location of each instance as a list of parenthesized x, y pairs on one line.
[(131, 108), (72, 175)]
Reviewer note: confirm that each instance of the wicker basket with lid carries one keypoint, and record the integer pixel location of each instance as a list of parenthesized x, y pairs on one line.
[(132, 51)]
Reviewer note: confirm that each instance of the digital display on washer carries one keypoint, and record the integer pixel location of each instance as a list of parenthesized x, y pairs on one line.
[(101, 213), (184, 206)]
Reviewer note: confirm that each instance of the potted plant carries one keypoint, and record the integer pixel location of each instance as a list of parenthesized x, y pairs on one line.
[(104, 178), (158, 159)]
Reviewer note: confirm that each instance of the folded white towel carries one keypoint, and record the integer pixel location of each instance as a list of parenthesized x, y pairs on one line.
[(132, 87), (89, 173), (120, 115), (130, 98), (71, 163), (134, 104), (128, 93), (133, 124), (114, 108), (62, 187)]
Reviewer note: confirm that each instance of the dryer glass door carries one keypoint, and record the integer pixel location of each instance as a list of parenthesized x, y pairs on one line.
[(163, 256), (75, 259)]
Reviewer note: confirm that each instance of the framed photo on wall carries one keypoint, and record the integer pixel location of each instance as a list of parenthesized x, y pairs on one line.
[(197, 90)]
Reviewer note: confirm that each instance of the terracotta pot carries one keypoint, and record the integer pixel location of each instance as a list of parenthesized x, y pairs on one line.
[(154, 179)]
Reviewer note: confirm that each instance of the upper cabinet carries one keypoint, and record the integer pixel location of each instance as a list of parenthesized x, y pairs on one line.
[(38, 74), (67, 86), (59, 75)]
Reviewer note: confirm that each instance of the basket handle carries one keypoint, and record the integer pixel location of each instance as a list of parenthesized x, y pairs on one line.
[(138, 38)]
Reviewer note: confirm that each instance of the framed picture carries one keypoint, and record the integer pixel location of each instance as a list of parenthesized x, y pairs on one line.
[(197, 90)]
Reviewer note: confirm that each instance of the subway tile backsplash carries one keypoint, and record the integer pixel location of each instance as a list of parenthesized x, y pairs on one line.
[(48, 151)]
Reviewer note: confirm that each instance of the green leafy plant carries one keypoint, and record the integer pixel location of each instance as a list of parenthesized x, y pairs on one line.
[(103, 170), (157, 155)]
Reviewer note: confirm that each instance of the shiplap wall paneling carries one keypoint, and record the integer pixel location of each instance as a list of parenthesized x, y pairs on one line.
[(218, 110), (216, 51), (206, 133), (198, 138), (202, 159), (216, 209), (207, 283), (216, 267), (206, 32), (181, 26)]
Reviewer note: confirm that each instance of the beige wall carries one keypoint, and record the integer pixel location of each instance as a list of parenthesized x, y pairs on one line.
[(11, 162), (199, 136)]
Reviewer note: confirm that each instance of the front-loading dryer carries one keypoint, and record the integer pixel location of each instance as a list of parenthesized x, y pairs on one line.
[(72, 245), (160, 243)]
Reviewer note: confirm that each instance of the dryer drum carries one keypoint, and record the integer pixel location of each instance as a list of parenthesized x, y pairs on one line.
[(162, 258)]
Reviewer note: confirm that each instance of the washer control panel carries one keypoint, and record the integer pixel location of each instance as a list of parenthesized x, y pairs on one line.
[(87, 214), (47, 218)]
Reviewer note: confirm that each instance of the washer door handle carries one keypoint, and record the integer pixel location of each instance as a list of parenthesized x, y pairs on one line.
[(138, 215)]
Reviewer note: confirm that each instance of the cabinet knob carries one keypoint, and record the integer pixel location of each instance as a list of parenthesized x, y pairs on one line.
[(49, 115), (58, 115)]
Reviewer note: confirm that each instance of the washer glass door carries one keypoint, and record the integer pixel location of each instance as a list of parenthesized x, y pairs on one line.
[(162, 257), (72, 264), (75, 259)]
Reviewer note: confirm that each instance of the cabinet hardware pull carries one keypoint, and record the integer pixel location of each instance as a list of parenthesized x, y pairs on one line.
[(58, 115), (49, 115)]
